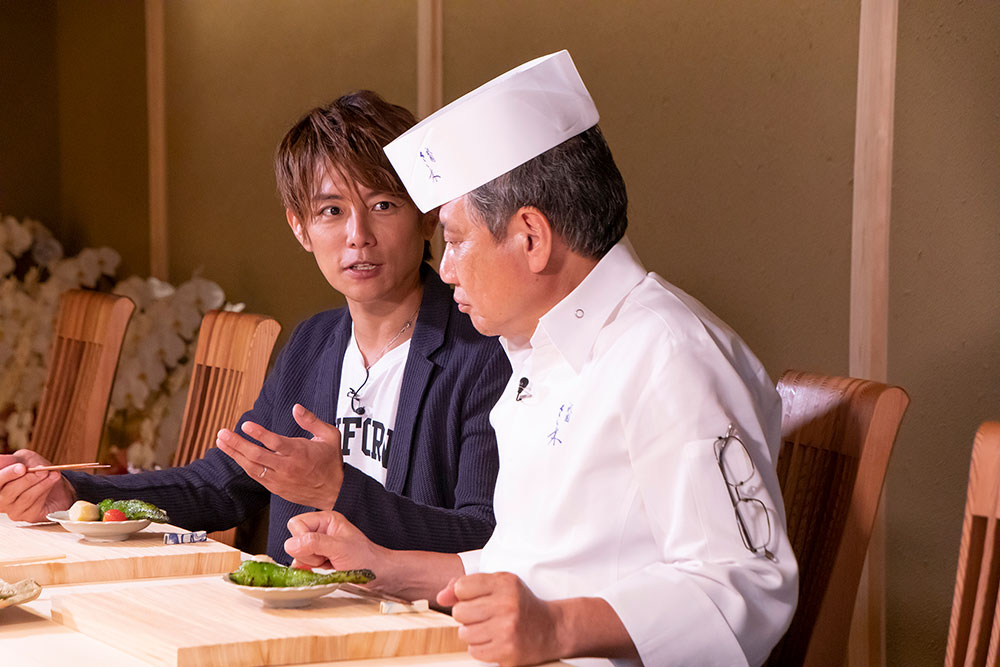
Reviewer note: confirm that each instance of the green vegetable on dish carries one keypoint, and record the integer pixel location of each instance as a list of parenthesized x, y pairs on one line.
[(272, 575), (135, 509)]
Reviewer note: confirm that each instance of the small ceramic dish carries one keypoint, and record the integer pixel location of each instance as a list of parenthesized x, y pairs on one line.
[(17, 593), (283, 598), (99, 531)]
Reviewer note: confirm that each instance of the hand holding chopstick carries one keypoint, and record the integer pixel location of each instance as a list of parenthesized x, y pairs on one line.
[(69, 466), (31, 497)]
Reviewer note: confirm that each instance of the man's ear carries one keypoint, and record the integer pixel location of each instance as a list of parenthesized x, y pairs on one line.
[(536, 237), (428, 223), (298, 229)]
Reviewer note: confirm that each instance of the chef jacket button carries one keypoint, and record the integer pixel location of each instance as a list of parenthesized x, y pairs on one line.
[(579, 313)]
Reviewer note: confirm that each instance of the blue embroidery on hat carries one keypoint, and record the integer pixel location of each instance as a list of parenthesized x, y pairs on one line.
[(428, 158)]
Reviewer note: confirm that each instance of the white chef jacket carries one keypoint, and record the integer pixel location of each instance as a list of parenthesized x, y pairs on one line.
[(609, 485)]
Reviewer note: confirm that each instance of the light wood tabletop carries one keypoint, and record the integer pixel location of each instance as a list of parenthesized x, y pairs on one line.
[(31, 635)]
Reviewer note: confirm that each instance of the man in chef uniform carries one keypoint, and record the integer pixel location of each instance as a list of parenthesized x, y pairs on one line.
[(638, 512)]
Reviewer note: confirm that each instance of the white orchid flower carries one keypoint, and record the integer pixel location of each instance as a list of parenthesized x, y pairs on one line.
[(151, 368), (159, 289), (18, 237), (140, 456), (68, 272), (30, 387), (7, 264), (47, 251), (171, 347), (108, 261), (205, 294), (169, 431), (180, 377), (18, 425), (90, 266), (136, 289), (151, 386)]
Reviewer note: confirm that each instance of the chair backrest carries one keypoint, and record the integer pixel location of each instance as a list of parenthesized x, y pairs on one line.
[(837, 434), (973, 633), (230, 362), (90, 328)]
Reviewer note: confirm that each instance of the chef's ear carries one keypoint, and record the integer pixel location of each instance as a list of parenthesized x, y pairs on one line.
[(533, 233), (299, 229)]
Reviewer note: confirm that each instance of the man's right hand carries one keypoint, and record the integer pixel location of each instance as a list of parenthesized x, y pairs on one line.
[(29, 496)]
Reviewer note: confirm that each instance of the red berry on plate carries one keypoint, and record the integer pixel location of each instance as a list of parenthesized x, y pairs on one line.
[(114, 515)]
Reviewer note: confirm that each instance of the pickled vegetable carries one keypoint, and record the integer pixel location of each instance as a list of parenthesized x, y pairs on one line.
[(135, 509), (254, 573)]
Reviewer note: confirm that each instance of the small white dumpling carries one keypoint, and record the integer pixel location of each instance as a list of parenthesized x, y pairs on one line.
[(84, 511)]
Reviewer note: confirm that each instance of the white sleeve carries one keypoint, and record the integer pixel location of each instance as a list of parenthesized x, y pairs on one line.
[(710, 601), (470, 560)]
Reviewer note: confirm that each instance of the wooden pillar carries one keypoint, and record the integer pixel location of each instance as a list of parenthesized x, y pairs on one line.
[(430, 72), (430, 56), (869, 324), (159, 266)]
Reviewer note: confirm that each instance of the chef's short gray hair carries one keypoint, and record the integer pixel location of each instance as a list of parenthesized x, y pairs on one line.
[(576, 185)]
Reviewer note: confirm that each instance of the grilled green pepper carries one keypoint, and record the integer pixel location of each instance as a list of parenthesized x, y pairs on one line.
[(255, 573), (134, 509)]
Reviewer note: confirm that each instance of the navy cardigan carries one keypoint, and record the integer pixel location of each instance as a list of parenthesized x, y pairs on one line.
[(442, 462)]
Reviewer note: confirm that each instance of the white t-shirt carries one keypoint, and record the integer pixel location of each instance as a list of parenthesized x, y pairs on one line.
[(365, 438)]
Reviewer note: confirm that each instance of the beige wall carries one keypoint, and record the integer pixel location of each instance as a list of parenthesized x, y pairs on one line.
[(29, 118), (944, 305), (239, 74), (734, 131), (103, 185), (73, 123), (733, 124)]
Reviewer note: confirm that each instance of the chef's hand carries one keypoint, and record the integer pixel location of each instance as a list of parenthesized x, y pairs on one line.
[(329, 540), (502, 621), (300, 470), (29, 496)]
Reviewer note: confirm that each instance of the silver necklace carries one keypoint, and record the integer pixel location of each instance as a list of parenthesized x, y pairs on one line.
[(354, 394), (392, 340)]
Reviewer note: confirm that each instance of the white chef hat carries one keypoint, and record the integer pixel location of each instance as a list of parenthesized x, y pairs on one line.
[(498, 126)]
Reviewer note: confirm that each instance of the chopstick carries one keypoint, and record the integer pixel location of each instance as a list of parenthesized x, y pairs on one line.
[(70, 466), (365, 593)]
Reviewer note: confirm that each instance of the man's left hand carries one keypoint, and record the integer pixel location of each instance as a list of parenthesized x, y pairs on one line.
[(502, 621), (300, 470)]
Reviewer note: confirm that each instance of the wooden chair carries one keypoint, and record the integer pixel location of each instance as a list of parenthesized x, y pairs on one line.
[(230, 363), (87, 341), (973, 633), (229, 367), (837, 434)]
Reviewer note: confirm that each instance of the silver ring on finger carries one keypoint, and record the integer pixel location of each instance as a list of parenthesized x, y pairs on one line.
[(261, 475)]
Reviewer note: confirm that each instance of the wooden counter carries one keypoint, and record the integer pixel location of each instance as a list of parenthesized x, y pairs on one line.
[(31, 635)]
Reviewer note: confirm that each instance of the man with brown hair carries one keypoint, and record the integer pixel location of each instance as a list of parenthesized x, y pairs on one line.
[(378, 410)]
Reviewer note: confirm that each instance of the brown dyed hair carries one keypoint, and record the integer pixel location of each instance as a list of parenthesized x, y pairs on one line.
[(347, 134)]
